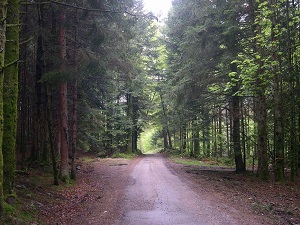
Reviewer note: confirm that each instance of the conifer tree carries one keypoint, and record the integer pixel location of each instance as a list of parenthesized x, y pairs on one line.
[(2, 51), (10, 94)]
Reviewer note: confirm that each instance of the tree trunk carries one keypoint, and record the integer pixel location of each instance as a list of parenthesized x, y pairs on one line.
[(236, 137), (214, 135), (23, 91), (293, 142), (228, 134), (51, 138), (206, 134), (278, 126), (64, 153), (181, 140), (169, 138), (278, 133), (165, 136), (73, 138), (196, 140), (230, 155), (39, 68), (135, 109), (10, 95), (262, 170), (3, 9), (129, 130), (220, 134), (243, 133), (261, 107), (74, 130), (64, 150), (166, 128)]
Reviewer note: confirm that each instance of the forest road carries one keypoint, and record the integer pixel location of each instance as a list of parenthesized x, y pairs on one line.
[(156, 195)]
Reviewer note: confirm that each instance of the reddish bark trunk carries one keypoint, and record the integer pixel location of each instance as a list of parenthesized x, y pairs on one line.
[(64, 153)]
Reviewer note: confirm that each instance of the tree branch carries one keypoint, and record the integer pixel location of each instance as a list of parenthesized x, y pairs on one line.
[(148, 15), (92, 10), (11, 63)]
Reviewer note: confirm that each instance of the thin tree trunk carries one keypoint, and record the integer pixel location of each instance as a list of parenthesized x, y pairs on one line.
[(236, 137), (135, 109), (208, 136), (230, 155), (165, 136), (169, 138), (228, 134), (293, 143), (181, 140), (3, 10), (278, 134), (73, 138), (64, 150), (243, 133), (262, 171), (214, 127), (130, 130), (278, 126), (74, 130), (23, 103), (10, 95), (262, 131), (220, 134), (204, 147), (39, 68), (166, 123), (184, 135), (196, 140), (51, 138)]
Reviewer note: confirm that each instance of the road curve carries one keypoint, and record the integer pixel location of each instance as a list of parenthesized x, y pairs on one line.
[(157, 196)]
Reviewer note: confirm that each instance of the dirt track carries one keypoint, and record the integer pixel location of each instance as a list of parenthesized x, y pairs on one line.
[(154, 190), (157, 195)]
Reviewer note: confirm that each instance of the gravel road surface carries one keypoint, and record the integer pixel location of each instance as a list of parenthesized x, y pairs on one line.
[(157, 196)]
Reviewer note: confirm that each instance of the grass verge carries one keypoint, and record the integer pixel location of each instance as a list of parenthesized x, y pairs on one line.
[(203, 163)]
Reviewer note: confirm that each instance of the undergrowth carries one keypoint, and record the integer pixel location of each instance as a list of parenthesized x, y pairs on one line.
[(205, 162), (123, 155)]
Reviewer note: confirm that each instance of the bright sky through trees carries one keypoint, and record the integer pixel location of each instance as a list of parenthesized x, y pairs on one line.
[(160, 8)]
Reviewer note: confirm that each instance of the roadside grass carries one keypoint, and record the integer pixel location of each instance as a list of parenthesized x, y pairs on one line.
[(123, 155), (31, 193), (15, 214), (87, 159), (204, 162)]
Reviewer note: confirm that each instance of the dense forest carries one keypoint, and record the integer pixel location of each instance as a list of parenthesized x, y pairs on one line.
[(217, 79)]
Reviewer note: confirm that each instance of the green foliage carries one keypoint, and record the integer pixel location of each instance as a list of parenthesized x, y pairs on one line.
[(203, 162), (149, 141), (14, 214), (123, 155), (9, 209)]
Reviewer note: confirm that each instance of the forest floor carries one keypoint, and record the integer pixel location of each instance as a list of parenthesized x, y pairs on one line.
[(99, 193)]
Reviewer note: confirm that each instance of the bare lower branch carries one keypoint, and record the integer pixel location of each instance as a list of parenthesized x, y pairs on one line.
[(11, 63), (90, 9)]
